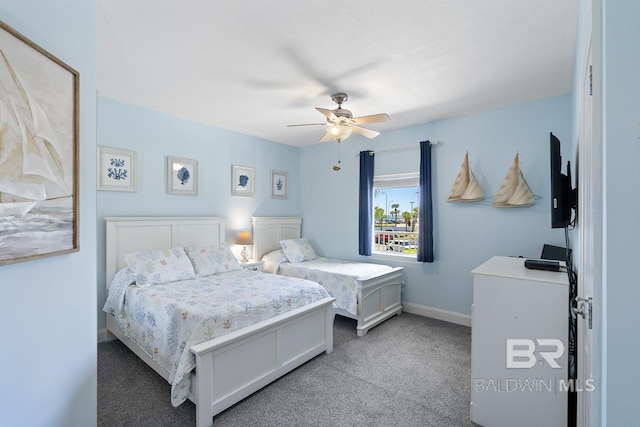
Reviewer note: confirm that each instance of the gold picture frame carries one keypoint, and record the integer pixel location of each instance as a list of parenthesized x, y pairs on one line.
[(39, 100)]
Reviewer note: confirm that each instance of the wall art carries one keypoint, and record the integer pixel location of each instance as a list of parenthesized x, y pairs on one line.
[(117, 169), (242, 181), (38, 151), (182, 176), (279, 184)]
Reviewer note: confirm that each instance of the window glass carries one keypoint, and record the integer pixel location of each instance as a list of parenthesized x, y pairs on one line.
[(395, 213)]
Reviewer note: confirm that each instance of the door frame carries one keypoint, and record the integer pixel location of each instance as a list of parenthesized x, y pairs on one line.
[(590, 222)]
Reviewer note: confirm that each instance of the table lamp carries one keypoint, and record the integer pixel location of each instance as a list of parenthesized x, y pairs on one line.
[(244, 238)]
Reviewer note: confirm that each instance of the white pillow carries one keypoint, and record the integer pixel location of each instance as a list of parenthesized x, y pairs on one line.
[(208, 260), (272, 261), (297, 250), (160, 266)]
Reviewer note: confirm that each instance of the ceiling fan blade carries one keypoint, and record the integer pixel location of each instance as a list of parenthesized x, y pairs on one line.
[(326, 137), (328, 113), (374, 118), (307, 124), (365, 132)]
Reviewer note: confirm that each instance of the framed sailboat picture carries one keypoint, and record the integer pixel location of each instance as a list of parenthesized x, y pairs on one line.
[(38, 151)]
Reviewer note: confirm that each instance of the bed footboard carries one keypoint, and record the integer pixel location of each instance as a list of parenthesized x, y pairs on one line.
[(379, 298), (232, 367)]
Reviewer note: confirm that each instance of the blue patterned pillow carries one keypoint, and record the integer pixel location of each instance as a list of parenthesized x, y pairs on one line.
[(208, 260), (160, 266), (297, 250)]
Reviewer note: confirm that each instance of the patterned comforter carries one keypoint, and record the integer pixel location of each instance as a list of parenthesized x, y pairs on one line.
[(166, 320), (339, 277)]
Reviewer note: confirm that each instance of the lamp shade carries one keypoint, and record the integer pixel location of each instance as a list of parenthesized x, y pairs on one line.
[(244, 238), (339, 132)]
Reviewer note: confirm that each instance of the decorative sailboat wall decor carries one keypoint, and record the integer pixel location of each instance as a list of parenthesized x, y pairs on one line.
[(466, 188), (29, 149), (514, 191), (39, 105)]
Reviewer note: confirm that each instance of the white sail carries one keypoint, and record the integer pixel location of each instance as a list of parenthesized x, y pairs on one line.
[(466, 188), (514, 191), (29, 149), (15, 208)]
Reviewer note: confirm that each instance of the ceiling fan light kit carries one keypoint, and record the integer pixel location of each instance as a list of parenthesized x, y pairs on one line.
[(339, 132), (341, 123)]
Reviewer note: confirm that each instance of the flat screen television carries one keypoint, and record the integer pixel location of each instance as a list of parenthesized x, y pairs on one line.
[(563, 196)]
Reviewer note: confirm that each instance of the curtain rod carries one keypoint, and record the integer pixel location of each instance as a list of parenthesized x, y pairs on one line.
[(406, 147)]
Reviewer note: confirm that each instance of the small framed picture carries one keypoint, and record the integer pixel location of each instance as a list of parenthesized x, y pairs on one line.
[(116, 169), (242, 181), (279, 184), (182, 176)]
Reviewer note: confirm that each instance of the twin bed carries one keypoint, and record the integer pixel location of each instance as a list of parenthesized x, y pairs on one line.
[(369, 293), (263, 325)]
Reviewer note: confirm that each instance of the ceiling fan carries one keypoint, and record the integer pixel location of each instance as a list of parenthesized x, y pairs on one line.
[(341, 123)]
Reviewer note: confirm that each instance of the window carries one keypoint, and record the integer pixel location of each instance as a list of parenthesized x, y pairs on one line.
[(395, 210)]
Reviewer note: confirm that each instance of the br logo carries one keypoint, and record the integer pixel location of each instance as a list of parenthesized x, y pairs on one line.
[(521, 352)]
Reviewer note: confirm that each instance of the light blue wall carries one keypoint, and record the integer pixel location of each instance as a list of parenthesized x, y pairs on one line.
[(47, 310), (154, 136), (621, 145), (465, 235), (54, 362)]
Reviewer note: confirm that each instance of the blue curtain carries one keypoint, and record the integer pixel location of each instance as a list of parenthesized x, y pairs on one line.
[(425, 213), (365, 214)]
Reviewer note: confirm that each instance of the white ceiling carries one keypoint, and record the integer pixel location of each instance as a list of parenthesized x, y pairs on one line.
[(256, 66)]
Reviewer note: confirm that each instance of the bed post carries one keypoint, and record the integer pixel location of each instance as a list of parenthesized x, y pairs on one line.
[(204, 397), (328, 332)]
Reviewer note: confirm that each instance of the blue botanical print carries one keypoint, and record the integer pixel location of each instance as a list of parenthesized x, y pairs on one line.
[(243, 180), (279, 184), (183, 175), (117, 163), (117, 170)]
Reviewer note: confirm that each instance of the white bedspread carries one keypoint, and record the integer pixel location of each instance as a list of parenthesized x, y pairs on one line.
[(339, 277), (166, 320)]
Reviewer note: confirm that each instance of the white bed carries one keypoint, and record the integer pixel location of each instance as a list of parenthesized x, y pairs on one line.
[(378, 294), (232, 366)]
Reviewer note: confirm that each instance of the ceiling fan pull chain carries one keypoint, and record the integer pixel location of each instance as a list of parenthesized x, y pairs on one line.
[(337, 167)]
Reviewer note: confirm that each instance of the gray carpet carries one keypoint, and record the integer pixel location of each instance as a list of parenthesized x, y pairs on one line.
[(408, 371)]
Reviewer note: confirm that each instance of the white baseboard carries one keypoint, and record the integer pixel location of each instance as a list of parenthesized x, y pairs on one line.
[(104, 335), (437, 313)]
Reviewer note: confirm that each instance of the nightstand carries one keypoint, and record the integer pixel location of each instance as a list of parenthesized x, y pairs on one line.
[(252, 265)]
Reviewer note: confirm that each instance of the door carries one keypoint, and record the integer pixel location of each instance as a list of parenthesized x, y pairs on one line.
[(590, 244)]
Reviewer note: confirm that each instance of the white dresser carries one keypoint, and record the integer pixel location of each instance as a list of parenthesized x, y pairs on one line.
[(511, 302)]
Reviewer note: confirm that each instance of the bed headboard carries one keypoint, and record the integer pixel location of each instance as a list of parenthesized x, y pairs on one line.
[(134, 234), (268, 231)]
